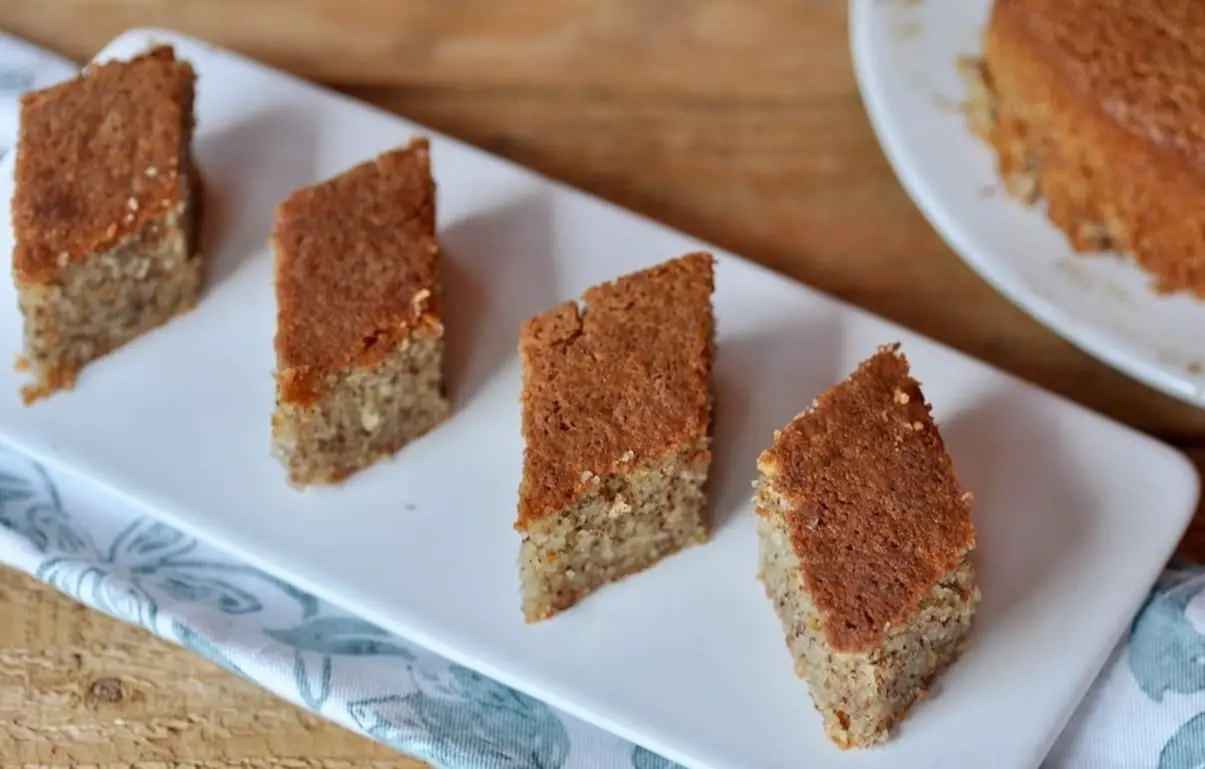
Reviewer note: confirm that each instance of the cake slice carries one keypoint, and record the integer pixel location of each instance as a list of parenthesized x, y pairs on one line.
[(865, 540), (104, 213), (616, 418), (359, 340), (1094, 108)]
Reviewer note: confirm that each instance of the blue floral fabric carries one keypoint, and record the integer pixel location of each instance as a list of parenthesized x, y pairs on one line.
[(148, 574), (1146, 710)]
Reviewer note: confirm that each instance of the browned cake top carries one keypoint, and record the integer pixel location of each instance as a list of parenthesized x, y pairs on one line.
[(356, 268), (877, 516), (98, 157), (1142, 62), (617, 384)]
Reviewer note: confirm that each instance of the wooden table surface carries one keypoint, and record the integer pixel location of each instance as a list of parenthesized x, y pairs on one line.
[(737, 121)]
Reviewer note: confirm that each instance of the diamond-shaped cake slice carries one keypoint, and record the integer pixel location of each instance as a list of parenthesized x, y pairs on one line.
[(104, 213), (616, 418), (359, 338), (865, 540)]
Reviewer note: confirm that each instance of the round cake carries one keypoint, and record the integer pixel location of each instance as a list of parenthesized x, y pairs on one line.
[(1097, 107)]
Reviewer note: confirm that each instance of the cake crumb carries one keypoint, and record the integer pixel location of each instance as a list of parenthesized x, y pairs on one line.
[(370, 419), (619, 506)]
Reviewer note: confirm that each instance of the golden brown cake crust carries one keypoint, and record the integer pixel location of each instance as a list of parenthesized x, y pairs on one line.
[(1095, 107), (356, 268), (877, 517), (1142, 63), (98, 158), (616, 385)]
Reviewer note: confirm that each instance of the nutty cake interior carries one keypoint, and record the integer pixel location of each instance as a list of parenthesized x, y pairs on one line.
[(616, 418), (104, 212), (865, 540), (1096, 114), (359, 338)]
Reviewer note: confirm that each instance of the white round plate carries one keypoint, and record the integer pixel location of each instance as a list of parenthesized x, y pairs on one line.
[(905, 56)]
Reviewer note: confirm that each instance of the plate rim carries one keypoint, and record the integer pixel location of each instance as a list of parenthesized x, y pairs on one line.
[(1085, 336)]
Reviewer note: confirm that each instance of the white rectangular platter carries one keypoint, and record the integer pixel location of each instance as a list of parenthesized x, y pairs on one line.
[(1076, 514)]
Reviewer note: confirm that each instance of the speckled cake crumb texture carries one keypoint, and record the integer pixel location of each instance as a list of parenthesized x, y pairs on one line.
[(1095, 107), (104, 210), (359, 340), (865, 544), (616, 417)]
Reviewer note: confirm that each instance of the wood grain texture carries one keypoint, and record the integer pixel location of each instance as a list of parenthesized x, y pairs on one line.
[(737, 121), (80, 689)]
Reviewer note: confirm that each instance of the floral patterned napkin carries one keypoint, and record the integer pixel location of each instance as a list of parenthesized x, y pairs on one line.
[(1146, 710)]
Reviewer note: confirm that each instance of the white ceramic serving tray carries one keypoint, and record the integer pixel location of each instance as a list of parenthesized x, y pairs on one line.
[(904, 56), (1076, 514)]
